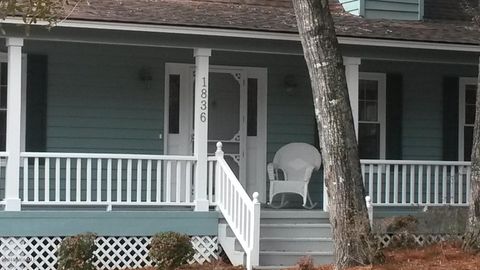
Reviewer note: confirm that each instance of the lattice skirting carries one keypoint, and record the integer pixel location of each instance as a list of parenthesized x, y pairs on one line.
[(386, 240), (112, 252)]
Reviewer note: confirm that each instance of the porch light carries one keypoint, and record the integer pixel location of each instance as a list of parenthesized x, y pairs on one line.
[(290, 83)]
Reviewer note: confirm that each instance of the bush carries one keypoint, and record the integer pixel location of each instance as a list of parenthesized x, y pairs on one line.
[(76, 252), (170, 250)]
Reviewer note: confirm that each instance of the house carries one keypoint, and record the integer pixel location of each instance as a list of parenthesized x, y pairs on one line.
[(110, 123)]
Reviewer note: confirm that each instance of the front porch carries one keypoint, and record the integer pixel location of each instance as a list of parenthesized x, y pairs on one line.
[(120, 146)]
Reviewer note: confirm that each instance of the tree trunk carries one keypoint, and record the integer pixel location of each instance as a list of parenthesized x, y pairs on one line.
[(348, 212), (472, 236)]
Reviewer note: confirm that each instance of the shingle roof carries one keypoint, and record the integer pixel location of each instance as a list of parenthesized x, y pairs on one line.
[(276, 16)]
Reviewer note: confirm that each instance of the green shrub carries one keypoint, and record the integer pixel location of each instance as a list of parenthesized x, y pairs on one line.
[(170, 250), (76, 252)]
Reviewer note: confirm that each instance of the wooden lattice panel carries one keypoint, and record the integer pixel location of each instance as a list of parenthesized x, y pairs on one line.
[(31, 253), (421, 240)]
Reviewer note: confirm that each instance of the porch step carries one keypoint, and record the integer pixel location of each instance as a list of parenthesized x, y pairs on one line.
[(294, 230), (287, 235)]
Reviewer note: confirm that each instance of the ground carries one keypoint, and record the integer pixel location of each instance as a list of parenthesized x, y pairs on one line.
[(437, 257)]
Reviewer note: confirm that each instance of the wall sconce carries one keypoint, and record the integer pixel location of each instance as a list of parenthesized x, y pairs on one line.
[(145, 76), (290, 83)]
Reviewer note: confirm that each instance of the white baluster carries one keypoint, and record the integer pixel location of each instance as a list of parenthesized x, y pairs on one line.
[(129, 180), (188, 183), (68, 179), (57, 180), (395, 184), (178, 182), (168, 189), (412, 184), (159, 181), (119, 180), (99, 180), (387, 185), (89, 180), (79, 180), (36, 185), (25, 179), (139, 180), (47, 179)]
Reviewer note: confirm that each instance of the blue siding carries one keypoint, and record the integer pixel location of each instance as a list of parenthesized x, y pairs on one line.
[(422, 126), (385, 9), (139, 223)]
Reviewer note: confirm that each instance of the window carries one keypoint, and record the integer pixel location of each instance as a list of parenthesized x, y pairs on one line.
[(467, 98), (371, 115)]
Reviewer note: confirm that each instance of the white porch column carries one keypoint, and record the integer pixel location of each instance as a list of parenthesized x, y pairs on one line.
[(14, 120), (201, 127), (351, 71)]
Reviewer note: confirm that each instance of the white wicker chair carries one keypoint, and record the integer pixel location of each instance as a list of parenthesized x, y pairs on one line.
[(291, 170)]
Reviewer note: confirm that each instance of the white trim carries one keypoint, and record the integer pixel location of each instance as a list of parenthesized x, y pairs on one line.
[(381, 78), (253, 34), (463, 82), (261, 74), (247, 72)]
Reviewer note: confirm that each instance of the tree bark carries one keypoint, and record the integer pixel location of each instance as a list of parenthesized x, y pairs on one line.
[(352, 235), (472, 235)]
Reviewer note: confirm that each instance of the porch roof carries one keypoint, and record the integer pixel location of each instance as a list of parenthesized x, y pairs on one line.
[(278, 16)]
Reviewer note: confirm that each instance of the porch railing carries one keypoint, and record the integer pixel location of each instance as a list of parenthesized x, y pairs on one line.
[(241, 213), (106, 179), (416, 183)]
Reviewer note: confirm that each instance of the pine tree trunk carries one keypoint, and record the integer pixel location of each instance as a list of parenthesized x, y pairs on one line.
[(472, 236), (348, 213)]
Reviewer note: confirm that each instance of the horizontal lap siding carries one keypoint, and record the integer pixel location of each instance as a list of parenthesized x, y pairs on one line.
[(125, 223), (96, 102), (398, 9), (422, 133)]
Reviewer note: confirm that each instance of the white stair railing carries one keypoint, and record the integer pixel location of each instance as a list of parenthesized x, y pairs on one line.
[(106, 179), (241, 213), (416, 183)]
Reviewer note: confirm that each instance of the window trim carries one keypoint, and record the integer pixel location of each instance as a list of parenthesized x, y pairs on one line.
[(381, 78), (463, 82)]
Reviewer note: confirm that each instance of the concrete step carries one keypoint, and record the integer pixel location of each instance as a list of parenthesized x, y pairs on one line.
[(304, 244), (295, 230), (288, 258)]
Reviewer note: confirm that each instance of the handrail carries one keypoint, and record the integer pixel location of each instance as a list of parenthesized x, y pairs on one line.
[(413, 162), (241, 213), (104, 156)]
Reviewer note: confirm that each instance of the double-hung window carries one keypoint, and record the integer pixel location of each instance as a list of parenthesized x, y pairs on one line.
[(467, 98), (371, 115)]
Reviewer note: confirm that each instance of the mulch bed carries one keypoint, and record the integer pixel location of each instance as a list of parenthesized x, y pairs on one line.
[(437, 257)]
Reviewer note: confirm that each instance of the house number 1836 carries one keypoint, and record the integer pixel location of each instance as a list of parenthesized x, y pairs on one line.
[(203, 101)]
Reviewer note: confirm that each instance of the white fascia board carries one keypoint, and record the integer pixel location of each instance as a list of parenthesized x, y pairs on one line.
[(206, 31)]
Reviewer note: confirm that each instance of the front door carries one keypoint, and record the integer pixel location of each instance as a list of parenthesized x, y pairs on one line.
[(235, 118)]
